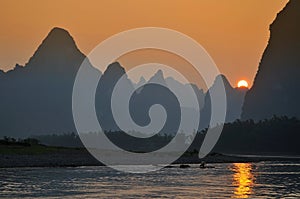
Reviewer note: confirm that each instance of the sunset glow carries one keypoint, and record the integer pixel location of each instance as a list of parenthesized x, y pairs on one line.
[(150, 99), (234, 32)]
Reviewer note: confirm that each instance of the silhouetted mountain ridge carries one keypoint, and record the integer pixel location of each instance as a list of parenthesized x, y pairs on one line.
[(37, 98), (234, 100), (56, 54), (276, 85)]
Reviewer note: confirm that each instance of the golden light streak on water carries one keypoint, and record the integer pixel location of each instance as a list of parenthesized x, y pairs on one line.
[(243, 180)]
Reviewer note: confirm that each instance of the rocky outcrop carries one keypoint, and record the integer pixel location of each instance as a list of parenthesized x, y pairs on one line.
[(276, 86)]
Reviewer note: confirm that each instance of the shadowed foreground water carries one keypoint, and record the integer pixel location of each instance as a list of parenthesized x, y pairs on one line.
[(238, 180)]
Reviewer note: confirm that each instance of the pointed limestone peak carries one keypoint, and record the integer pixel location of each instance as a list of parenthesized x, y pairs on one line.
[(113, 73), (57, 41), (111, 76), (59, 35), (223, 78), (142, 80), (159, 73), (158, 77), (57, 53), (114, 69), (139, 84)]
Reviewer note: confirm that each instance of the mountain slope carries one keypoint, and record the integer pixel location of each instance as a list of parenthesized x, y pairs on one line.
[(105, 88), (37, 98), (234, 98), (276, 86)]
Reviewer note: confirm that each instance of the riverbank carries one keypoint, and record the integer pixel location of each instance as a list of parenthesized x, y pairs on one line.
[(47, 156)]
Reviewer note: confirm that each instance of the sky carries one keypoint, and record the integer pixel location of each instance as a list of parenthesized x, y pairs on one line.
[(234, 32)]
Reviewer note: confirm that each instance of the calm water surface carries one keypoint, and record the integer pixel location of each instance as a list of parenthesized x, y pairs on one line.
[(238, 180)]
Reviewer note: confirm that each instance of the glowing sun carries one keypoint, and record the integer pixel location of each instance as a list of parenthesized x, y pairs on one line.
[(243, 83)]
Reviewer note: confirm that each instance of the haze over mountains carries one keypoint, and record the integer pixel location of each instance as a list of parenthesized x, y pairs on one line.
[(37, 98), (277, 83), (235, 99)]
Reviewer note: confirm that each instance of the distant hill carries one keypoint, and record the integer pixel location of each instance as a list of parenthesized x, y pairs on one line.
[(105, 88), (276, 86), (234, 100), (36, 99), (156, 92)]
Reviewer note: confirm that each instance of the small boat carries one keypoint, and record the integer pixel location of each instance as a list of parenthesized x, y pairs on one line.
[(203, 166), (183, 166)]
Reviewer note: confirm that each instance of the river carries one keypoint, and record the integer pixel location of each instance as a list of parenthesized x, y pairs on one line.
[(226, 180)]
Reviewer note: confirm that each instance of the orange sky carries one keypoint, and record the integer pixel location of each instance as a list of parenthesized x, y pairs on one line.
[(234, 32)]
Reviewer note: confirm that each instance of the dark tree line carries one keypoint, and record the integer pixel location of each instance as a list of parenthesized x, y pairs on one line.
[(22, 142), (275, 136)]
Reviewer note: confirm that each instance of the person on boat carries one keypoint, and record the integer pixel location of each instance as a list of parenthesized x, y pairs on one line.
[(202, 164)]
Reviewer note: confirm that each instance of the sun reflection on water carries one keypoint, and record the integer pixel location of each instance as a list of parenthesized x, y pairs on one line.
[(243, 180)]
